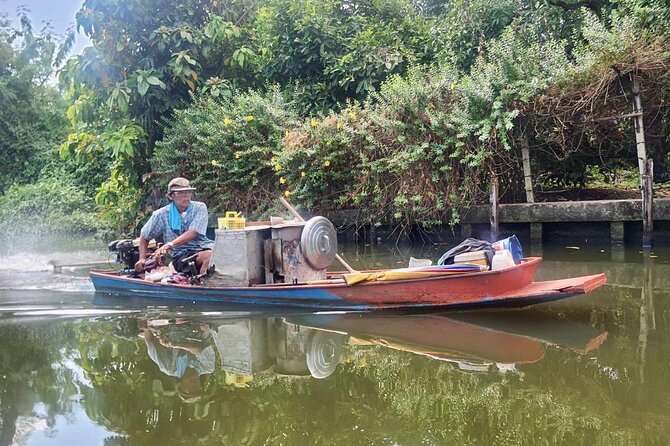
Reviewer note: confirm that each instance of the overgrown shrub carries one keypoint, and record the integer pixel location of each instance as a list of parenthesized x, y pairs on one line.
[(228, 148), (51, 206), (425, 145), (576, 123), (389, 158)]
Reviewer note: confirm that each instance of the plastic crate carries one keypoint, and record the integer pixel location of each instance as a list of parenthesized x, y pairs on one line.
[(232, 221)]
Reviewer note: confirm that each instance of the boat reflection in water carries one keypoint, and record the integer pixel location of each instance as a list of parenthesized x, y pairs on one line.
[(184, 349), (313, 345)]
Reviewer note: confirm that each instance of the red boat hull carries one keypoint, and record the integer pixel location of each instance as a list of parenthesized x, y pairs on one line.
[(503, 288)]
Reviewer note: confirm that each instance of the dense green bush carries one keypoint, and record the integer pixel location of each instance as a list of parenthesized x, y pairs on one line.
[(421, 149), (569, 125), (426, 145), (390, 157), (50, 206), (32, 112), (39, 192), (228, 148)]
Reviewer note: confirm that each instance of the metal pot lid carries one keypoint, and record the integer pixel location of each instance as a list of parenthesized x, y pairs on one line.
[(323, 353), (318, 242)]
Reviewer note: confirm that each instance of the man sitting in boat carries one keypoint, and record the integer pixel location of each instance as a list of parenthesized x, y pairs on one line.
[(183, 226)]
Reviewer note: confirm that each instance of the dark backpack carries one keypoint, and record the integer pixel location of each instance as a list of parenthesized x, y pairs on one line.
[(468, 245)]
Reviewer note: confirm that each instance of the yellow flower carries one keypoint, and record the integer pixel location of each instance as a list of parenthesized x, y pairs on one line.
[(326, 163), (329, 143), (215, 163), (249, 118), (352, 115), (238, 154), (287, 193), (313, 122), (278, 167), (453, 85), (282, 180), (227, 121), (273, 159), (302, 174), (339, 126)]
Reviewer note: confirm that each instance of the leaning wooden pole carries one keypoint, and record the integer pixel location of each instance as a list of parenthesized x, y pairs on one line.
[(639, 125), (494, 207), (645, 167)]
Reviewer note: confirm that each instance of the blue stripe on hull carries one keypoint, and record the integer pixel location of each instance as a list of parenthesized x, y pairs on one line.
[(311, 298)]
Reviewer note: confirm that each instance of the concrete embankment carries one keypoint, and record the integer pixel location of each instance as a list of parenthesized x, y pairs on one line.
[(626, 275), (605, 221)]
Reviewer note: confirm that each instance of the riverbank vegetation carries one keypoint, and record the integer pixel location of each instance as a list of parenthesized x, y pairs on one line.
[(40, 193), (404, 109)]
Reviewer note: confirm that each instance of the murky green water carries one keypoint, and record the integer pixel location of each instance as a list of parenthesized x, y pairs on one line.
[(78, 368)]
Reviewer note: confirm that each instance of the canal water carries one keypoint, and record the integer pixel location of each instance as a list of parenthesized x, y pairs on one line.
[(79, 368)]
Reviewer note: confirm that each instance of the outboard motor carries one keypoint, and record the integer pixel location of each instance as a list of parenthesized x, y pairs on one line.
[(127, 253)]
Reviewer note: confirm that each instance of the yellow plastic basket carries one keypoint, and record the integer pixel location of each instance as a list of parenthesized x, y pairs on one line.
[(232, 221)]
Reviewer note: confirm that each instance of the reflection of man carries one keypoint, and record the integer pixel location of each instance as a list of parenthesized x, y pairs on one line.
[(183, 226), (182, 352)]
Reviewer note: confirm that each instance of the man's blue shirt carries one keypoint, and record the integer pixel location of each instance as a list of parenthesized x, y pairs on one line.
[(195, 219)]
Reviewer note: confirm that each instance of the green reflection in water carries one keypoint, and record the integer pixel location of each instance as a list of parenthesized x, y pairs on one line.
[(592, 370)]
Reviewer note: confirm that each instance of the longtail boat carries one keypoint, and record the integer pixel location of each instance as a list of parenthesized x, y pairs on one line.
[(456, 288)]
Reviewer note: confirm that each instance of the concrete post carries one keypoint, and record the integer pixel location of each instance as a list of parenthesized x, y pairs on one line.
[(536, 238), (373, 234), (617, 232), (648, 205)]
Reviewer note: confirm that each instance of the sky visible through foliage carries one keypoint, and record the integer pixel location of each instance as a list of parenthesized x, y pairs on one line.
[(59, 13)]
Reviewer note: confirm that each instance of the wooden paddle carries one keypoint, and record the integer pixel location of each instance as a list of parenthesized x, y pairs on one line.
[(293, 212)]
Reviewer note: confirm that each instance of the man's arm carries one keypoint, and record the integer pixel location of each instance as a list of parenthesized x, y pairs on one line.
[(144, 244), (184, 238), (150, 229), (179, 241)]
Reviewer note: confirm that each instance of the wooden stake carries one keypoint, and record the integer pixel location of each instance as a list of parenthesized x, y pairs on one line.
[(528, 179), (645, 166), (494, 207)]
